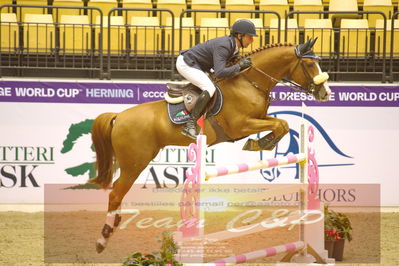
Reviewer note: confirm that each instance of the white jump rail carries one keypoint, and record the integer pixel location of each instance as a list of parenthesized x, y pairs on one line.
[(262, 253)]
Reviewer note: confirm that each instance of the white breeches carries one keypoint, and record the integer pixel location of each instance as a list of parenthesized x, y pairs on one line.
[(195, 76)]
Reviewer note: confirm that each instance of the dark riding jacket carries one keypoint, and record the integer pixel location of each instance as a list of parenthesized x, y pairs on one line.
[(216, 54)]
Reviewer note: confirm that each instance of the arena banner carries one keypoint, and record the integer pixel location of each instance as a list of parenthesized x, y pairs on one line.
[(45, 137), (136, 93)]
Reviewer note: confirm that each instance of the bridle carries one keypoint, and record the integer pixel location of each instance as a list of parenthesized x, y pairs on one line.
[(288, 80)]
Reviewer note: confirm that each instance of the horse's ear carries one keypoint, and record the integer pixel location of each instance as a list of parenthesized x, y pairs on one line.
[(312, 42), (304, 50), (304, 47)]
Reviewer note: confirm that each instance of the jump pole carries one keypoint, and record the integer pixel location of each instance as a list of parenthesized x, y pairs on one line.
[(291, 158), (311, 237), (262, 253)]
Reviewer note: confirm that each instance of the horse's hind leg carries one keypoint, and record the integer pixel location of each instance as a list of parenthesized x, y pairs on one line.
[(120, 188), (130, 170)]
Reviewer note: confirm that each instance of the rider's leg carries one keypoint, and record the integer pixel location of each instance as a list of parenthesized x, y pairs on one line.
[(190, 129), (201, 80), (195, 76)]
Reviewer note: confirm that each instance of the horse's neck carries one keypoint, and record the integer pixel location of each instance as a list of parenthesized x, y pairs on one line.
[(275, 62)]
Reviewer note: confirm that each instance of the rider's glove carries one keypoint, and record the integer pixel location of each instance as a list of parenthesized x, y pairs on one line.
[(245, 63)]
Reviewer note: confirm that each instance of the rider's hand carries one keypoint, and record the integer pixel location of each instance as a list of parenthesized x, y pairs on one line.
[(245, 63)]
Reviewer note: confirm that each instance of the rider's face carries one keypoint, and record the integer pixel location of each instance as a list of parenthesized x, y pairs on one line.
[(247, 40)]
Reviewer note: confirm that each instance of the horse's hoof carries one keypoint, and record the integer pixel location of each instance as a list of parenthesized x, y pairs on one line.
[(251, 145), (99, 247)]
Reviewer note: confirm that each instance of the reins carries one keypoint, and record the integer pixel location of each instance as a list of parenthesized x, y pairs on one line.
[(285, 81)]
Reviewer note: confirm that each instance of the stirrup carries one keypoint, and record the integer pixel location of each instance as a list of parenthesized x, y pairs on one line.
[(190, 129)]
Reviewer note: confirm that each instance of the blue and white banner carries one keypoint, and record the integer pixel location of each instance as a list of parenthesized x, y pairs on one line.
[(45, 137)]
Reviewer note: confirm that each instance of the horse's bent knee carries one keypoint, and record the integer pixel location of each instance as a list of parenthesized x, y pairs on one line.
[(283, 127)]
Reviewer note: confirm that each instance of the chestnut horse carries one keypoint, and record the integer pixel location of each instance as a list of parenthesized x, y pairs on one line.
[(134, 137)]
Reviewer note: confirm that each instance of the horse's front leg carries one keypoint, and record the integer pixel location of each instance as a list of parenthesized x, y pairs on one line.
[(278, 128)]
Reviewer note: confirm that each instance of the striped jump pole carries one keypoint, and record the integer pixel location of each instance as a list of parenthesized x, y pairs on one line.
[(245, 167), (262, 253), (310, 246)]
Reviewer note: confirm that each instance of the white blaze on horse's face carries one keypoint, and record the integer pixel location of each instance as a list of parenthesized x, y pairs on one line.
[(320, 80)]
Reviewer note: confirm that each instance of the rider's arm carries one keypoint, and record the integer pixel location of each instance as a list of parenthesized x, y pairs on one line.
[(220, 57)]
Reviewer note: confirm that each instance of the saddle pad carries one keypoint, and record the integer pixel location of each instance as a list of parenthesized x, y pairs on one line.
[(179, 115)]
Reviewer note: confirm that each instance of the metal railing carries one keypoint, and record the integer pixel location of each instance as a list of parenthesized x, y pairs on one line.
[(131, 51), (393, 71), (54, 54), (222, 14), (150, 56), (353, 63)]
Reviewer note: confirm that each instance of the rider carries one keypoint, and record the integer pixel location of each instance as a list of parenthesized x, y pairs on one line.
[(213, 54)]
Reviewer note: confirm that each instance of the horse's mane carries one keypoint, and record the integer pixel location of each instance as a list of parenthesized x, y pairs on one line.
[(260, 49)]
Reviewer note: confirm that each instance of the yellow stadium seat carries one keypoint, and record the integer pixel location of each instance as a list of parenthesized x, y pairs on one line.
[(188, 34), (379, 37), (307, 5), (176, 6), (117, 33), (58, 12), (9, 32), (354, 37), (323, 30), (75, 37), (279, 6), (384, 6), (204, 4), (39, 33), (211, 28), (145, 35), (21, 12), (258, 41), (6, 2), (136, 4), (343, 5), (247, 5), (292, 34), (104, 5)]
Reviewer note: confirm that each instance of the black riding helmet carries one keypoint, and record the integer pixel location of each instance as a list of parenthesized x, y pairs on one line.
[(243, 26)]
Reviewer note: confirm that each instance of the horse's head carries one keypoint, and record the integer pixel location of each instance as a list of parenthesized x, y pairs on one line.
[(307, 73)]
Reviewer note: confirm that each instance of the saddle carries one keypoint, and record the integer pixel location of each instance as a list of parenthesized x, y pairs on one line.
[(181, 99)]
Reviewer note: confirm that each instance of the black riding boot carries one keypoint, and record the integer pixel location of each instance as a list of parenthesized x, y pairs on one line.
[(190, 129)]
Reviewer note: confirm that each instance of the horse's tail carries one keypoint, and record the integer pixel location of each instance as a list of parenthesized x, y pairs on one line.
[(101, 137)]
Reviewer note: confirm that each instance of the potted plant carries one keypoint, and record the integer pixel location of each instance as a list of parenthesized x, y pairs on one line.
[(337, 228), (163, 258)]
